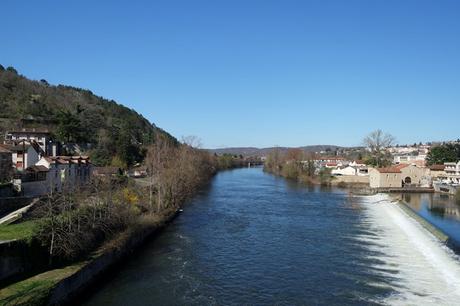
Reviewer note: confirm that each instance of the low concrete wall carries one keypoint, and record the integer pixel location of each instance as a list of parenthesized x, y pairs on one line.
[(8, 205), (427, 225), (405, 190), (351, 179)]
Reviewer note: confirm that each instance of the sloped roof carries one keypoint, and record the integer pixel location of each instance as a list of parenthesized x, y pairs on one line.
[(389, 170), (437, 167), (37, 168)]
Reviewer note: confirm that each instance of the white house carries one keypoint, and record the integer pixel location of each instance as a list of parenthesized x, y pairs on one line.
[(418, 160), (25, 154), (453, 171), (41, 136), (348, 170), (53, 173)]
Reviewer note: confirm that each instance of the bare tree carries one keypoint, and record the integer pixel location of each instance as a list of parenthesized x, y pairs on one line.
[(274, 161), (377, 143)]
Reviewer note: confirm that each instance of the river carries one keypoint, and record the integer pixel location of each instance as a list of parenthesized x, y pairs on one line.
[(255, 239)]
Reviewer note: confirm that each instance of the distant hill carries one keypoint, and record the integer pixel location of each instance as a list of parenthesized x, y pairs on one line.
[(252, 151), (115, 133)]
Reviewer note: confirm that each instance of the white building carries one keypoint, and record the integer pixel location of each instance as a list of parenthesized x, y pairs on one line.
[(53, 173), (453, 171), (348, 170), (25, 154), (418, 160), (351, 170), (41, 136)]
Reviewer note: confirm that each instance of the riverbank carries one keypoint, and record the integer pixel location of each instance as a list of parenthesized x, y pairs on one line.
[(62, 286)]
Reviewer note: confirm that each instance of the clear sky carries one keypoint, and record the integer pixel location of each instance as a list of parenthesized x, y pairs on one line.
[(253, 73)]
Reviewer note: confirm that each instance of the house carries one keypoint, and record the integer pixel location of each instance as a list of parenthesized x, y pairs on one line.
[(331, 165), (347, 170), (138, 172), (358, 163), (54, 173), (415, 176), (41, 136), (34, 181), (385, 177), (437, 171), (453, 171), (398, 176), (6, 164), (25, 154), (415, 159)]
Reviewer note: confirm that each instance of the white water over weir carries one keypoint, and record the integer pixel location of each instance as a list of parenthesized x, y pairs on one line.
[(424, 271)]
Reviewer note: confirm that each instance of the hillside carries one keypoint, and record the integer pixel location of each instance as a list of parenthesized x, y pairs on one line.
[(251, 151), (108, 131)]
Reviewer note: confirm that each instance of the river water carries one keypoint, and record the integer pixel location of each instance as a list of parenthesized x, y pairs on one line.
[(255, 239)]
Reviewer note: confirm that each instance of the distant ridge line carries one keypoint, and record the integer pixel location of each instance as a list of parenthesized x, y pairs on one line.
[(254, 151)]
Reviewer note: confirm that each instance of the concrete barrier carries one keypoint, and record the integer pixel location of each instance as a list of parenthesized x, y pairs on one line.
[(438, 233)]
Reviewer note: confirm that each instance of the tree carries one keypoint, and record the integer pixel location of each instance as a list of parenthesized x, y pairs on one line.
[(273, 162), (443, 153), (377, 143), (11, 69), (310, 168), (69, 127), (294, 155)]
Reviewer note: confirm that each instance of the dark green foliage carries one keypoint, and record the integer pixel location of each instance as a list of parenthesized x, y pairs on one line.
[(443, 154), (69, 128), (75, 115), (11, 69)]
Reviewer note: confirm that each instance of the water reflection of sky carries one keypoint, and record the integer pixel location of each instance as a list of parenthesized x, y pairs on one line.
[(439, 209)]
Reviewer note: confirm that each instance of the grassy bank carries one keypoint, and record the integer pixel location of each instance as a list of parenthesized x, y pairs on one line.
[(37, 289), (20, 231), (57, 285)]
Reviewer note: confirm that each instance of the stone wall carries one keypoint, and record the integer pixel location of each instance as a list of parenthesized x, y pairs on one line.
[(351, 179)]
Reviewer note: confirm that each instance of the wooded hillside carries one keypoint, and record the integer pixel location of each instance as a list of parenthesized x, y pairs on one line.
[(110, 132)]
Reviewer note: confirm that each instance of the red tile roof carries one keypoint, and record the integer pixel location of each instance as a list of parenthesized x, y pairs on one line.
[(437, 167), (389, 170)]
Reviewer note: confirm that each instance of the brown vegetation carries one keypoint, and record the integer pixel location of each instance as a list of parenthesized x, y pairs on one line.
[(72, 223), (297, 165)]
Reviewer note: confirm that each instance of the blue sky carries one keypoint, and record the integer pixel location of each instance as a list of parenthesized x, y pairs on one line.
[(253, 73)]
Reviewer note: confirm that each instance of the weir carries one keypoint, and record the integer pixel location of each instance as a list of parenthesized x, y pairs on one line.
[(428, 272)]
